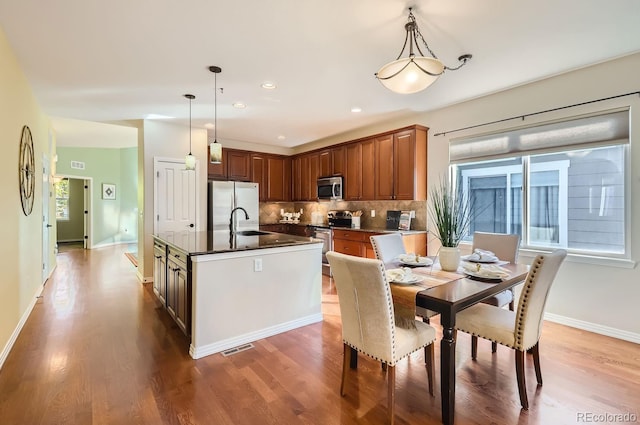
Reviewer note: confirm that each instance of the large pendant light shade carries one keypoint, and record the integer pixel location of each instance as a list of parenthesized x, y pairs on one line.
[(215, 148), (414, 73)]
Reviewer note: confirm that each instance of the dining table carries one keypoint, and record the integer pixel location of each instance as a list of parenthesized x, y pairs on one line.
[(447, 293)]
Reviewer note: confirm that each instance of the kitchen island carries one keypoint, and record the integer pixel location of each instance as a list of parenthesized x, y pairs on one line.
[(241, 287)]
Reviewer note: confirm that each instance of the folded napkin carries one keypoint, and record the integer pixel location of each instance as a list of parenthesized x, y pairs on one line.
[(400, 275), (482, 255), (490, 271)]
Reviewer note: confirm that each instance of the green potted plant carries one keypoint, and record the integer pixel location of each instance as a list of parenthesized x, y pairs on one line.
[(450, 212)]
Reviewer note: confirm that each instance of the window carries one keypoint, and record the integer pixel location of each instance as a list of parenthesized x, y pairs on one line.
[(568, 192), (62, 200)]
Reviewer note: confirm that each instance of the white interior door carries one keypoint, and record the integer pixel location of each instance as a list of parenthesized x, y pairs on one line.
[(175, 196), (46, 226)]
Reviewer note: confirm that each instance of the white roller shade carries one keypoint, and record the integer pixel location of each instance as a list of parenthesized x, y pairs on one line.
[(600, 130)]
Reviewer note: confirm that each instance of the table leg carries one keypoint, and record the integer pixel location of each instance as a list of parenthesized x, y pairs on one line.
[(354, 359), (448, 373)]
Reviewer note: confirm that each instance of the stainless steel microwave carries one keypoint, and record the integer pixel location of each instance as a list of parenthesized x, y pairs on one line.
[(330, 188)]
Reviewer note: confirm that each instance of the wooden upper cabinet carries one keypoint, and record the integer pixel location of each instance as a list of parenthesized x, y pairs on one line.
[(314, 173), (305, 176), (296, 177), (404, 166), (325, 163), (338, 161), (353, 172), (238, 165), (259, 174), (278, 179), (384, 166), (368, 169)]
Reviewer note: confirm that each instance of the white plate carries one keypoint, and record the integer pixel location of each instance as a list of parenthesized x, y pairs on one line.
[(424, 261), (482, 276), (489, 261), (410, 281)]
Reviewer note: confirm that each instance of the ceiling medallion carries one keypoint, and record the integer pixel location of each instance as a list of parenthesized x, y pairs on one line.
[(26, 169)]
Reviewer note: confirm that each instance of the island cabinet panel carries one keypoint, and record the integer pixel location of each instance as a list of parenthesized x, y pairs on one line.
[(384, 176), (160, 270), (178, 288)]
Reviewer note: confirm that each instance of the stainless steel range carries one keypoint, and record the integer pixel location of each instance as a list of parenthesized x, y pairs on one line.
[(326, 234)]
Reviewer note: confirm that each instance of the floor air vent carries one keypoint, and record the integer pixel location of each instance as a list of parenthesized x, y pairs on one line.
[(236, 350)]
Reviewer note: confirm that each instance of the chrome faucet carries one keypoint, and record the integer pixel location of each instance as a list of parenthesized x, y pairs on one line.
[(232, 228)]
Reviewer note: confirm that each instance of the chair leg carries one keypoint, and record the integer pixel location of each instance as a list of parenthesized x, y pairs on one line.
[(494, 347), (391, 392), (536, 362), (346, 360), (474, 347), (512, 304), (522, 387), (429, 354)]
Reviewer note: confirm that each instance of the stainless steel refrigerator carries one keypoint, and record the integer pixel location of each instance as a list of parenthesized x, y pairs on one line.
[(223, 197)]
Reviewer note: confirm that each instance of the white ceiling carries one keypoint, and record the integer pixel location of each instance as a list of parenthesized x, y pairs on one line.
[(122, 59)]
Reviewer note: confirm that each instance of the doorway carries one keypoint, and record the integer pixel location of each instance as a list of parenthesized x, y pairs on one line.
[(73, 201)]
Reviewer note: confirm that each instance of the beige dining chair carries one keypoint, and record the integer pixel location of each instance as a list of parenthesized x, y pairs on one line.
[(519, 329), (387, 248), (505, 247), (368, 321)]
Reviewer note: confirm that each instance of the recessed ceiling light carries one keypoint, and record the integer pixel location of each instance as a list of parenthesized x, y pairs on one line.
[(209, 125), (269, 85), (239, 105), (281, 137), (356, 109)]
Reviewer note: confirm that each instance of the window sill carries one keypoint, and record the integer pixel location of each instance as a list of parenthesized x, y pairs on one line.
[(623, 263)]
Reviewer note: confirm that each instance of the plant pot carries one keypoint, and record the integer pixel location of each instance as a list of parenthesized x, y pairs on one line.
[(449, 258)]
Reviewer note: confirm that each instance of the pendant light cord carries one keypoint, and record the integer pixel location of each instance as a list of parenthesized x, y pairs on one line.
[(189, 126)]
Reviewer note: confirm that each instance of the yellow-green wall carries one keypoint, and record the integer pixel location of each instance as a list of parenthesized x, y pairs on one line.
[(21, 255)]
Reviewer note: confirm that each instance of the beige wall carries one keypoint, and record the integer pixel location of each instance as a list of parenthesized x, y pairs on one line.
[(21, 256)]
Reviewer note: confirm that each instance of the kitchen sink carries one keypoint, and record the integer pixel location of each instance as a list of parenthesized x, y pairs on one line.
[(251, 233)]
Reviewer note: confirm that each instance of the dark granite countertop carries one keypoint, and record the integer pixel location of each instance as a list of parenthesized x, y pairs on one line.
[(200, 243), (362, 229)]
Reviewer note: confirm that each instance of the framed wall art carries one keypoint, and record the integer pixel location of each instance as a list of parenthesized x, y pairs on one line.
[(108, 191)]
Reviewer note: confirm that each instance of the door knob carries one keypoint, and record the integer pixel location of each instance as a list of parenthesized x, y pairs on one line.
[(49, 225), (191, 225)]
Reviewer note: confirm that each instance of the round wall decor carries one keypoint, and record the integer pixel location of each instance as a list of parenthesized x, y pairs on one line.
[(26, 169)]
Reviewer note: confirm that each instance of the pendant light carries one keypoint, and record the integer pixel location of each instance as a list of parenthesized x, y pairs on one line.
[(414, 73), (190, 160), (215, 148)]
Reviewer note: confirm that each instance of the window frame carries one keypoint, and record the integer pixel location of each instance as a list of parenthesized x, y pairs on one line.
[(67, 199)]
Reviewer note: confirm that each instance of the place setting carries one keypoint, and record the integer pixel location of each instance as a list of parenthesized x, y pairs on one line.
[(484, 265), (414, 260)]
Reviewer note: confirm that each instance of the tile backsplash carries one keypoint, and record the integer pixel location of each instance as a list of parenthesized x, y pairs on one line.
[(270, 212)]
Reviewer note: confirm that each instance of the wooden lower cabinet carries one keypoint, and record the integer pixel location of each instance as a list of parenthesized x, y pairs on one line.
[(357, 243), (160, 270), (172, 283)]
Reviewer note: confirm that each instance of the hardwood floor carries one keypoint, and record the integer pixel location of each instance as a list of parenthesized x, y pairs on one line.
[(98, 349)]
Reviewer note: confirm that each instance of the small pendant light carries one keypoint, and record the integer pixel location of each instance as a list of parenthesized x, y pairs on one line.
[(215, 148), (190, 160)]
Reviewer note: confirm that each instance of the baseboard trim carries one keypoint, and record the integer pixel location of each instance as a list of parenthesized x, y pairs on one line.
[(593, 327), (14, 336), (225, 344)]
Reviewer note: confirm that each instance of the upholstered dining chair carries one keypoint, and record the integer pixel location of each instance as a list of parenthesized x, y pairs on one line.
[(387, 248), (505, 247), (368, 321), (521, 329)]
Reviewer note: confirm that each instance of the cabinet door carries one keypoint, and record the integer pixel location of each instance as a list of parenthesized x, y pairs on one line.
[(368, 170), (325, 163), (305, 176), (353, 172), (276, 180), (172, 296), (217, 171), (259, 175), (404, 170), (384, 168), (182, 307), (338, 164), (296, 178), (348, 247), (314, 173), (160, 272), (238, 165)]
